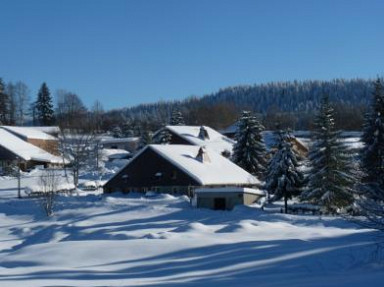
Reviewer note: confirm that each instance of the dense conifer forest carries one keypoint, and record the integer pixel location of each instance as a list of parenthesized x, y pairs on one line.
[(282, 104), (277, 105)]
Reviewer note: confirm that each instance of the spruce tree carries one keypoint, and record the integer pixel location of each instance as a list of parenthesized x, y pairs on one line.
[(44, 106), (284, 178), (330, 178), (177, 118), (249, 152), (145, 139), (126, 129), (116, 132), (372, 160), (4, 104)]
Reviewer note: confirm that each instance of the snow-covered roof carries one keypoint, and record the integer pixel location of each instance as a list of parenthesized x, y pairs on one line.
[(231, 129), (115, 153), (216, 140), (25, 150), (216, 171), (29, 132), (111, 140), (111, 151), (48, 129), (231, 189)]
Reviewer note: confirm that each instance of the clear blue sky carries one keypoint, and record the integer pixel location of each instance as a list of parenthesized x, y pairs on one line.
[(127, 52)]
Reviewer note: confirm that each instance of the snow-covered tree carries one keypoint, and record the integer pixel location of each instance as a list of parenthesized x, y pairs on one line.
[(177, 118), (145, 139), (162, 137), (77, 147), (284, 178), (116, 132), (372, 160), (127, 130), (44, 106), (330, 178), (249, 152)]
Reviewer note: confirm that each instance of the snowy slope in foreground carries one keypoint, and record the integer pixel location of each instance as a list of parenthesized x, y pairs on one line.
[(161, 241)]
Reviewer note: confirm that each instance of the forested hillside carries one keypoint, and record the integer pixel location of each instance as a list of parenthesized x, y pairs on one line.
[(284, 104), (278, 104)]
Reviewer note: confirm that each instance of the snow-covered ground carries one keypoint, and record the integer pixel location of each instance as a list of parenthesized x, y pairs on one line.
[(131, 240)]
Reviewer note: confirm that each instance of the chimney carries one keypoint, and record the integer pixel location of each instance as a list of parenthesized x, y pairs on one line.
[(202, 155), (203, 134)]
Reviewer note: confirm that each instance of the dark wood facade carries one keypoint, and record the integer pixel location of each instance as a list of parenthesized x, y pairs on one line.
[(6, 155), (176, 139), (150, 171)]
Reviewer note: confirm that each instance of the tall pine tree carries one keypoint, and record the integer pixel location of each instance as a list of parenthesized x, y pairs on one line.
[(330, 179), (177, 118), (284, 178), (372, 160), (249, 152), (44, 106)]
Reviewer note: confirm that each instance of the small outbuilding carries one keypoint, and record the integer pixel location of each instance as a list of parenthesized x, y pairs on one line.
[(225, 198)]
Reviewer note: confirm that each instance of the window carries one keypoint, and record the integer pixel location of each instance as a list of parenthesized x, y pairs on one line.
[(125, 177), (174, 174), (158, 176)]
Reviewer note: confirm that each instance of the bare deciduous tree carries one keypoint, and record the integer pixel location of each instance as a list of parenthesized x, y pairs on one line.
[(78, 132), (48, 182), (77, 147), (11, 103), (70, 110), (21, 102), (96, 116)]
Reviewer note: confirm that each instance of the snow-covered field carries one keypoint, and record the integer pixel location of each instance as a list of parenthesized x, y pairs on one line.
[(131, 240)]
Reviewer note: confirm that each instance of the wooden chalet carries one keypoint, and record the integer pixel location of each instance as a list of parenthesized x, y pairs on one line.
[(178, 169), (15, 151), (36, 136)]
